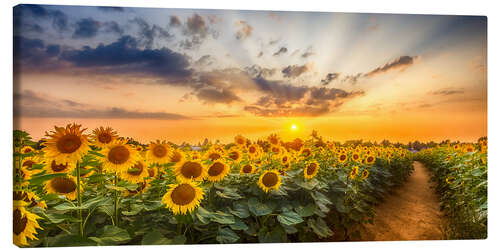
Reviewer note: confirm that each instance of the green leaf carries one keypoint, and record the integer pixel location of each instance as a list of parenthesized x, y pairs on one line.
[(54, 218), (257, 208), (203, 215), (305, 211), (112, 235), (115, 188), (240, 209), (239, 225), (228, 194), (222, 218), (289, 218), (319, 227), (152, 205), (226, 235), (134, 209), (155, 238), (275, 236), (40, 179), (179, 239)]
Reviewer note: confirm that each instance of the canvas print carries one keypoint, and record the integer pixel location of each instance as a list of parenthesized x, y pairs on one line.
[(156, 126)]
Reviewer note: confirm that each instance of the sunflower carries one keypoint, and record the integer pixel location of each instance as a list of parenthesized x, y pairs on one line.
[(270, 179), (247, 169), (342, 157), (158, 152), (118, 156), (176, 156), (305, 152), (152, 172), (139, 148), (27, 149), (240, 141), (234, 154), (285, 159), (369, 160), (190, 170), (66, 144), (483, 160), (195, 155), (183, 197), (469, 148), (31, 199), (354, 172), (456, 147), (54, 167), (355, 157), (62, 186), (273, 139), (101, 136), (136, 173), (254, 150), (214, 153), (27, 166), (217, 171), (311, 170), (365, 174), (450, 180), (449, 158), (24, 224)]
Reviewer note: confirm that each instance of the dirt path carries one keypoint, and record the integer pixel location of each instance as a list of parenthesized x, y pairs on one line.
[(410, 213)]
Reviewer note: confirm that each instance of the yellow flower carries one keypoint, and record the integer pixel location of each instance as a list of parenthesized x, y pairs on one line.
[(158, 152), (483, 160), (270, 179), (27, 149), (66, 144), (176, 156), (254, 150), (273, 139), (190, 170), (311, 170), (136, 173), (355, 157), (369, 160), (342, 157), (450, 179), (31, 199), (234, 154), (118, 156), (55, 168), (217, 171), (305, 152), (365, 174), (27, 167), (354, 172), (247, 169), (24, 224), (240, 141), (214, 153), (183, 197), (62, 186), (101, 136)]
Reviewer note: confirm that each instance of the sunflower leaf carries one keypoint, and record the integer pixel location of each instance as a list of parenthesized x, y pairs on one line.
[(39, 180), (112, 235), (222, 218), (226, 235), (289, 218), (257, 208), (155, 238)]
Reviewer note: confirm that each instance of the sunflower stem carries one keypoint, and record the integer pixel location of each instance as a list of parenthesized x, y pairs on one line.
[(79, 197), (116, 200)]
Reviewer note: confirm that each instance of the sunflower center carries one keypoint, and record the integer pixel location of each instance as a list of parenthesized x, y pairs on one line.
[(247, 169), (63, 185), (240, 141), (191, 169), (274, 140), (118, 155), (343, 157), (27, 150), (58, 167), (183, 194), (28, 164), (151, 172), (285, 159), (176, 157), (20, 222), (252, 149), (68, 144), (306, 152), (214, 156), (136, 169), (104, 138), (370, 159), (160, 151), (234, 155), (270, 179), (216, 169), (355, 157), (311, 168)]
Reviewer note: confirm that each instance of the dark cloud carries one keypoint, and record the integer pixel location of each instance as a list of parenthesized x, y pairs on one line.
[(113, 27), (401, 63), (204, 61), (196, 25), (213, 95), (148, 33), (31, 104), (34, 54), (28, 14), (329, 78), (86, 28), (111, 9), (352, 79), (293, 71), (53, 50), (244, 31), (175, 21), (260, 54), (273, 42), (282, 50), (448, 91), (309, 52), (258, 71)]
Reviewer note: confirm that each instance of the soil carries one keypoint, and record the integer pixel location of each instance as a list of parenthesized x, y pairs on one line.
[(410, 213)]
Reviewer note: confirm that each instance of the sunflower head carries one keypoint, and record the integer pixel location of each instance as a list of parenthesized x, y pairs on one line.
[(176, 156), (62, 186), (354, 172), (54, 167), (370, 159), (311, 170), (101, 136), (269, 180), (355, 157), (27, 149), (136, 173), (365, 174), (66, 144), (24, 224), (342, 157), (240, 141), (158, 152), (183, 197), (118, 156), (31, 199), (217, 171), (234, 154), (254, 150), (306, 152), (214, 153), (190, 170), (247, 169), (273, 139), (450, 180)]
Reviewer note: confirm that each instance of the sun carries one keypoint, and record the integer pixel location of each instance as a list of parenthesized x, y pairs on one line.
[(294, 127)]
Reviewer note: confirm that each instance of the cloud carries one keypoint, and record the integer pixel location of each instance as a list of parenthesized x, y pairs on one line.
[(293, 71), (111, 9), (213, 95), (30, 13), (260, 54), (273, 42), (113, 27), (352, 79), (204, 61), (401, 63), (31, 104), (282, 50), (174, 21), (244, 31), (86, 28), (309, 52), (448, 91), (196, 25), (329, 78), (34, 54), (148, 33), (258, 71)]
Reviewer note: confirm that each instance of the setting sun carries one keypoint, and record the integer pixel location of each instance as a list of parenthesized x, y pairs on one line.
[(293, 127)]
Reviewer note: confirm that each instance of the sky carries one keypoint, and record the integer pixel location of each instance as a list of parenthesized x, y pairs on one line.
[(185, 74)]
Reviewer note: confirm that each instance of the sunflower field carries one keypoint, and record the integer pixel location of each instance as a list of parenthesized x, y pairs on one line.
[(79, 188), (460, 172)]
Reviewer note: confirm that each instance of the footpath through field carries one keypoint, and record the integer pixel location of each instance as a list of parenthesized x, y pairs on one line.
[(410, 213)]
